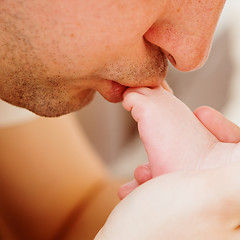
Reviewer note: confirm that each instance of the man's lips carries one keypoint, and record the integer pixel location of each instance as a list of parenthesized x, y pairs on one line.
[(117, 91), (113, 91)]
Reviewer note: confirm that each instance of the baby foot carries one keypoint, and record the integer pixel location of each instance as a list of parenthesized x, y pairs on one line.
[(174, 138), (215, 123)]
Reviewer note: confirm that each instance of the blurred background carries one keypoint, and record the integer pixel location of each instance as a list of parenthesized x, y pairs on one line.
[(111, 129)]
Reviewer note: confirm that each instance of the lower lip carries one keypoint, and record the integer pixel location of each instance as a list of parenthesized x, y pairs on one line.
[(115, 93)]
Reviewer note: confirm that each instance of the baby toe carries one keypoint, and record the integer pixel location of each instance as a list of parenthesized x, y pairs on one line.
[(143, 173), (127, 188)]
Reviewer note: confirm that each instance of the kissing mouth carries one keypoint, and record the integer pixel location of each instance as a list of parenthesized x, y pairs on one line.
[(117, 78), (113, 92)]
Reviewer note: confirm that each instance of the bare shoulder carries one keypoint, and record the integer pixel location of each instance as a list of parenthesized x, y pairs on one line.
[(48, 170)]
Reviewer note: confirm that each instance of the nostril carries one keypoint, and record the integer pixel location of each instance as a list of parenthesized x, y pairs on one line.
[(171, 59)]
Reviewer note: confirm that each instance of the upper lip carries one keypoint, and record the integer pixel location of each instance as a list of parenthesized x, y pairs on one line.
[(141, 85), (153, 84), (151, 81)]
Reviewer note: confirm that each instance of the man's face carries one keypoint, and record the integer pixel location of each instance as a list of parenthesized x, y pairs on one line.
[(54, 54)]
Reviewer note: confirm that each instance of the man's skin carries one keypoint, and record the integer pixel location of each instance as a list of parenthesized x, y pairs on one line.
[(53, 184), (54, 56)]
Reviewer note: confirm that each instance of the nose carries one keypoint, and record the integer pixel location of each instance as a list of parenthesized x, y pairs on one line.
[(184, 34)]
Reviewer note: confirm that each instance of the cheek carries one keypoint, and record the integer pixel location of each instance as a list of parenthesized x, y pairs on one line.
[(92, 35), (76, 37)]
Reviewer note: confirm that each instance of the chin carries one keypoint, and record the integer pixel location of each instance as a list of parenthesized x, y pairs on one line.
[(57, 107)]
